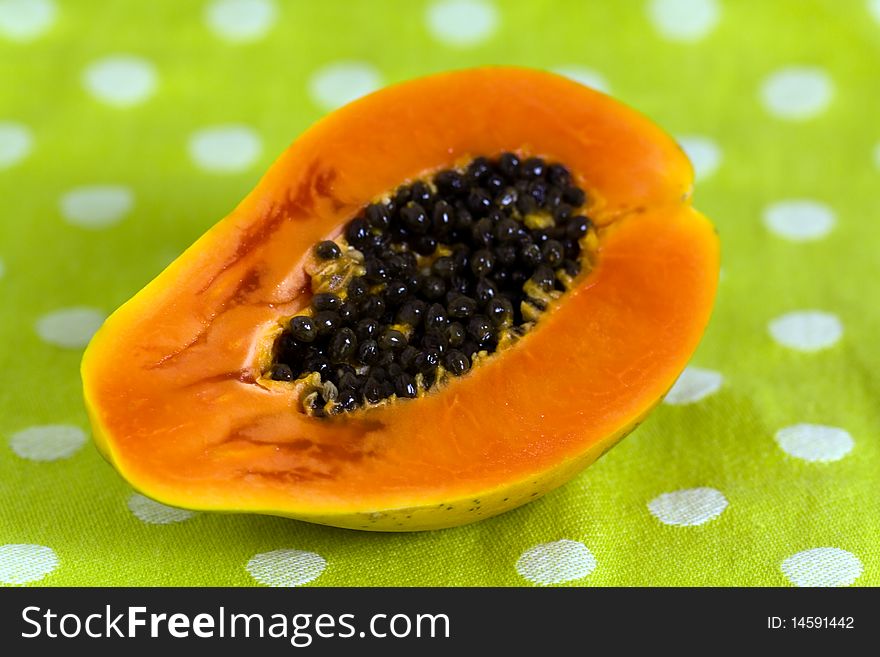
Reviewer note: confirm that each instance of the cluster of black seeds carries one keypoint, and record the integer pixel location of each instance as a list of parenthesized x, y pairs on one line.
[(431, 277)]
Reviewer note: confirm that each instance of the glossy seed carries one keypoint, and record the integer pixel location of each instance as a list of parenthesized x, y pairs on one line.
[(327, 321), (303, 329), (480, 329), (346, 401), (415, 218), (377, 216), (571, 267), (506, 229), (482, 232), (479, 202), (461, 307), (348, 312), (282, 372), (455, 334), (459, 284), (328, 250), (343, 345), (444, 267), (450, 182), (533, 167), (482, 262), (368, 352), (427, 360), (435, 317), (318, 364), (435, 340), (500, 311), (367, 329), (577, 227), (425, 245), (357, 288), (433, 287), (392, 339), (558, 175), (421, 192), (411, 313), (544, 278), (357, 232), (478, 169), (552, 252), (405, 386), (506, 197), (349, 381), (508, 164), (376, 270), (396, 293), (485, 291), (402, 195), (372, 391), (562, 212), (456, 362), (493, 183), (326, 301), (407, 357), (373, 306), (442, 218)]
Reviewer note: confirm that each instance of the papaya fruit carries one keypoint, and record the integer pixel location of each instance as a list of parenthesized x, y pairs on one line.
[(441, 301)]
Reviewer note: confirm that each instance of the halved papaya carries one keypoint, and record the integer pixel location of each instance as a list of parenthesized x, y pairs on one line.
[(205, 394)]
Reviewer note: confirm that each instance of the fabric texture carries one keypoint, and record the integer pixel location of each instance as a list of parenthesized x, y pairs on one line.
[(128, 128)]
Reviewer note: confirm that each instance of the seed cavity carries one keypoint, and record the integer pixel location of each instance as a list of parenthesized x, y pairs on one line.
[(428, 282)]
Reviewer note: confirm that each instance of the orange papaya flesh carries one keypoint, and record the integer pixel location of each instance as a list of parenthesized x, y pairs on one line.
[(192, 420)]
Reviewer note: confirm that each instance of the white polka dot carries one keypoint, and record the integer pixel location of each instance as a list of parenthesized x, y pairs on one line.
[(339, 83), (556, 562), (797, 92), (704, 154), (240, 20), (815, 442), (286, 567), (154, 513), (799, 220), (71, 328), (16, 143), (693, 385), (23, 563), (689, 507), (23, 20), (225, 148), (684, 20), (586, 76), (462, 23), (874, 8), (96, 206), (49, 442), (2, 268), (806, 330), (824, 566), (121, 80)]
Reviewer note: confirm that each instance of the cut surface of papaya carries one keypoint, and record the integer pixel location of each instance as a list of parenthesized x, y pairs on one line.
[(442, 301)]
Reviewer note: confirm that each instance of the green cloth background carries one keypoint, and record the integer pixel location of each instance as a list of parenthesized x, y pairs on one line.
[(707, 71)]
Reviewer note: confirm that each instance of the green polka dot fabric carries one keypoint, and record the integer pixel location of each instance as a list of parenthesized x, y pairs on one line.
[(128, 128)]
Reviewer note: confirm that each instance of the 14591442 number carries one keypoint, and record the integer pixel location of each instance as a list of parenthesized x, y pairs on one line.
[(810, 622)]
